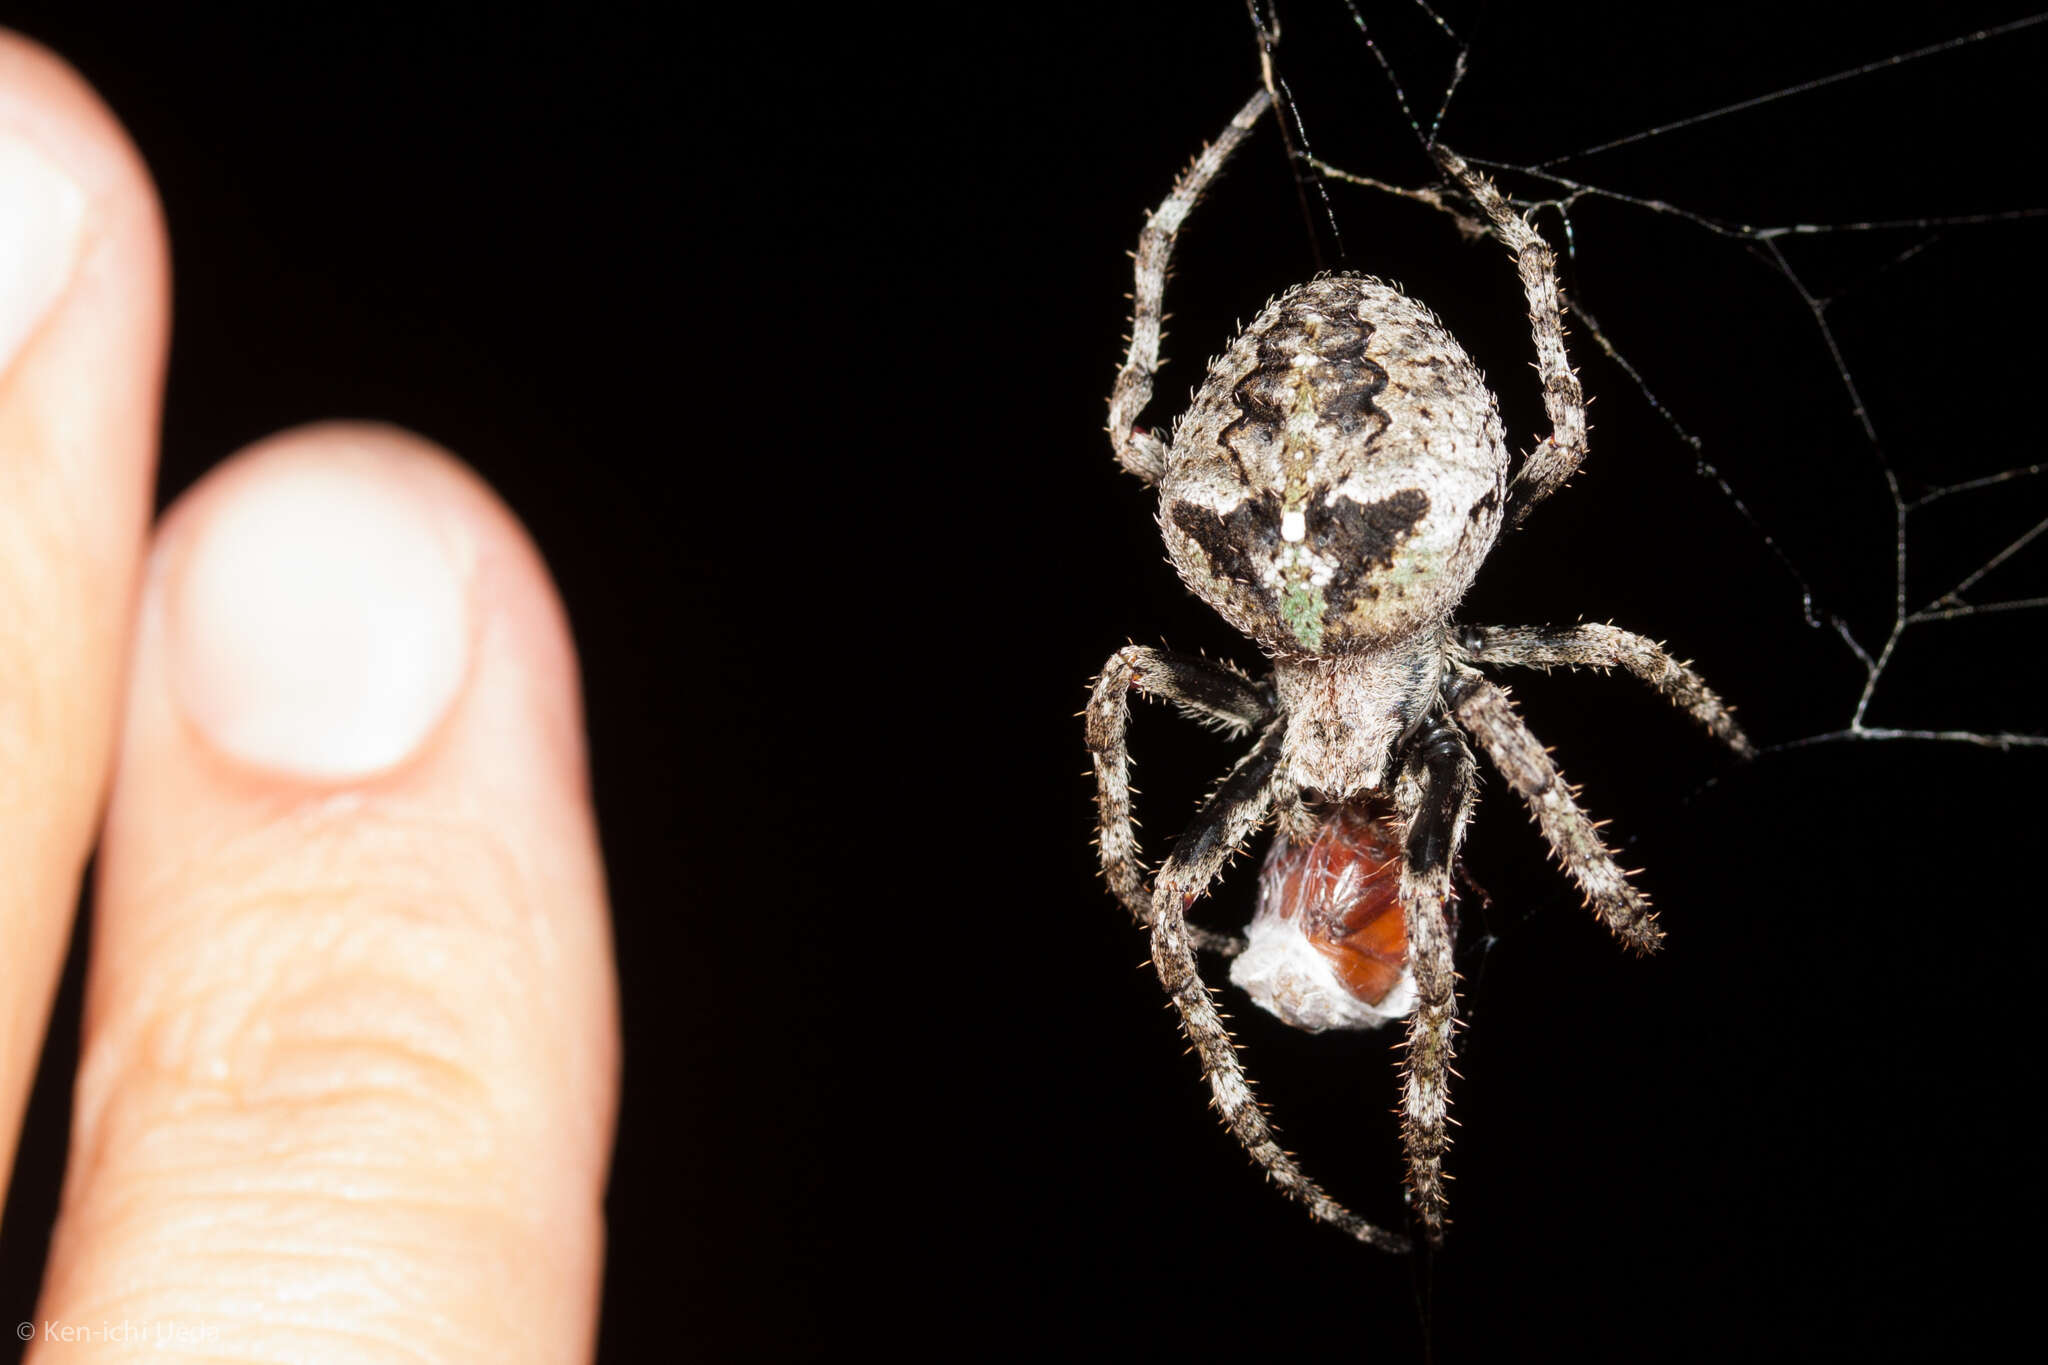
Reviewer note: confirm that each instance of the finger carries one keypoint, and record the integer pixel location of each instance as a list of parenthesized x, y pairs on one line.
[(83, 304), (350, 1044)]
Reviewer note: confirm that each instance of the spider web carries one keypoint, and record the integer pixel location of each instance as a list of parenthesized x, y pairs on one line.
[(1904, 512)]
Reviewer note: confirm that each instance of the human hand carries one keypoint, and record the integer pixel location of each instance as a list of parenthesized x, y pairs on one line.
[(349, 1053)]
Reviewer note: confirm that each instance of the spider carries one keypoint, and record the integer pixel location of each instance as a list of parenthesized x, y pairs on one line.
[(1331, 492)]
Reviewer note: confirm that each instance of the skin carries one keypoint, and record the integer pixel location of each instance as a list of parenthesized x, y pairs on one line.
[(350, 1049)]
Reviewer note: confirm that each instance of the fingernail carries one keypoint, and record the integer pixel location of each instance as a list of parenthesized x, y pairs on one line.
[(318, 617), (41, 211)]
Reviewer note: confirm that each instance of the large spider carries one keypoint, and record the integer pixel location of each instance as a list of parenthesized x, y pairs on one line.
[(1332, 492)]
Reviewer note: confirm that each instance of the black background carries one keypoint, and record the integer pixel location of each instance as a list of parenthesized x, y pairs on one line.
[(787, 335)]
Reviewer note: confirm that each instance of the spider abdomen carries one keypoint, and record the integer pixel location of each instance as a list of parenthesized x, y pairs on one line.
[(1328, 947), (1340, 474)]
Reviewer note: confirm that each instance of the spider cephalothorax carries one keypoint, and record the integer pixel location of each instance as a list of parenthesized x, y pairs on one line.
[(1332, 491)]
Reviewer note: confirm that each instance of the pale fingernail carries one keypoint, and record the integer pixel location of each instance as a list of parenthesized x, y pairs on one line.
[(41, 211), (318, 617)]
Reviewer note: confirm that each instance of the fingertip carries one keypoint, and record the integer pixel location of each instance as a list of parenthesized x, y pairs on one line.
[(316, 608), (347, 603), (84, 306), (87, 316), (351, 905)]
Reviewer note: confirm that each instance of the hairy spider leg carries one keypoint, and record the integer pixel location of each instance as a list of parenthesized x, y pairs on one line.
[(1207, 691), (1604, 647), (1484, 710), (1434, 794), (1223, 824), (1137, 449), (1559, 454)]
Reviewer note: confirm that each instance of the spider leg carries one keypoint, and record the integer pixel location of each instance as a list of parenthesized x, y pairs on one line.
[(1206, 690), (1138, 450), (1484, 710), (1434, 795), (1559, 454), (1226, 821), (1606, 647)]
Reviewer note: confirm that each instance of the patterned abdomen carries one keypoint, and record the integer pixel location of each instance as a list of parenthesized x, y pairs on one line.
[(1340, 474)]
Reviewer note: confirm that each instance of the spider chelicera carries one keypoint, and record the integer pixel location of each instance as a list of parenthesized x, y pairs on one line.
[(1332, 491)]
